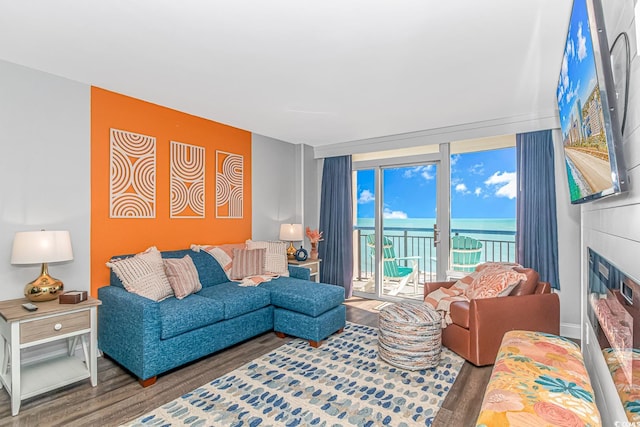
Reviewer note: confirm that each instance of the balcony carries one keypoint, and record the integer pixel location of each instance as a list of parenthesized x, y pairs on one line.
[(497, 246)]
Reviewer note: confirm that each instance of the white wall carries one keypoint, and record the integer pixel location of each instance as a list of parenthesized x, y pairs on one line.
[(568, 247), (311, 192), (612, 226), (44, 170), (275, 186)]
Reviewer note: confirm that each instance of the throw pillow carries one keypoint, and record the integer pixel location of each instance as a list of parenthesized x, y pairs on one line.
[(465, 282), (493, 281), (492, 264), (143, 274), (223, 254), (275, 259), (247, 263), (182, 275)]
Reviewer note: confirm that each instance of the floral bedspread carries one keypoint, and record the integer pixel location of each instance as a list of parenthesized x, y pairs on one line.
[(538, 380)]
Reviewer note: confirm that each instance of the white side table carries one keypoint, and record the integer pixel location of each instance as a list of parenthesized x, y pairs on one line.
[(20, 329), (312, 264)]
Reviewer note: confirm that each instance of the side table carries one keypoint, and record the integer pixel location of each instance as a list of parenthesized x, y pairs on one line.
[(312, 264), (21, 329)]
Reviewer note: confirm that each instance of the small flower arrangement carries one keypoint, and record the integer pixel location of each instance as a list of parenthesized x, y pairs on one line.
[(314, 236)]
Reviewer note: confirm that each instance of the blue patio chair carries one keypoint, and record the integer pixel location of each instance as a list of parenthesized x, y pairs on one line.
[(465, 253), (392, 271)]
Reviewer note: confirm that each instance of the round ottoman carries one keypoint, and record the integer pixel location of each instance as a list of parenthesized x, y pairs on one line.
[(409, 336)]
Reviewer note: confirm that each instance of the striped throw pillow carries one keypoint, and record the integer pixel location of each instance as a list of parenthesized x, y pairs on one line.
[(182, 275), (275, 260), (143, 274), (247, 263)]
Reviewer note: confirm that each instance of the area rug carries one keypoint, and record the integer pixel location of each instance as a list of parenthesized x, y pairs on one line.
[(341, 383)]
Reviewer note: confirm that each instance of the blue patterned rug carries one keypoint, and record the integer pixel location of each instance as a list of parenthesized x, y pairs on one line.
[(342, 383)]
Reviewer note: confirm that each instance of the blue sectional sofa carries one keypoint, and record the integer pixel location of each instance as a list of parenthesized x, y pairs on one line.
[(149, 338)]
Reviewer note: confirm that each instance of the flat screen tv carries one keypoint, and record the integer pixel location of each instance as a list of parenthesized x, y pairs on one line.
[(591, 133)]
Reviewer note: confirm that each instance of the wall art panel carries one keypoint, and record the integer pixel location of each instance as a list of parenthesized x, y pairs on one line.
[(229, 185), (187, 181), (132, 191)]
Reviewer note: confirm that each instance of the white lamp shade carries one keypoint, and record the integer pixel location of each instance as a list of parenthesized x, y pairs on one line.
[(291, 232), (35, 247)]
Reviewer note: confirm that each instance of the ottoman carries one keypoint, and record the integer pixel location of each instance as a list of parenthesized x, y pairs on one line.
[(305, 309), (409, 336)]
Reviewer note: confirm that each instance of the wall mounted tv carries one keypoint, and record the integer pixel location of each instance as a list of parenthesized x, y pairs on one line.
[(591, 133)]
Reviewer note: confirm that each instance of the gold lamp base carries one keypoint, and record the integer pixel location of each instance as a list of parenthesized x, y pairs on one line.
[(291, 251), (44, 288)]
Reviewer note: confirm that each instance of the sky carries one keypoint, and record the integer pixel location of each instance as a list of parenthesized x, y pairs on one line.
[(578, 72), (483, 185)]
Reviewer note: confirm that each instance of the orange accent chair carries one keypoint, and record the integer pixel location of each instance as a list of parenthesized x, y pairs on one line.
[(479, 324)]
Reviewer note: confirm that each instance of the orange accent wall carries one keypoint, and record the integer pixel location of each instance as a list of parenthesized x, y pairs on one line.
[(116, 236)]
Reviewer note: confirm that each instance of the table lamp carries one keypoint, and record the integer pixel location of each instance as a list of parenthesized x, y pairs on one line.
[(292, 233), (35, 247)]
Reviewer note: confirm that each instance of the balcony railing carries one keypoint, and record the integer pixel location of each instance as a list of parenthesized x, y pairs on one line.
[(411, 242)]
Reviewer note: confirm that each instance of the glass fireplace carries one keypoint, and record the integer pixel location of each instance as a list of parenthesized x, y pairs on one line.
[(614, 313)]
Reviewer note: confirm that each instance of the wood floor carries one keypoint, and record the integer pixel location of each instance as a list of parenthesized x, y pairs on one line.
[(119, 398)]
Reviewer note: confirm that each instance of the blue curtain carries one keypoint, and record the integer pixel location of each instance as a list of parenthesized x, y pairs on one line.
[(537, 235), (336, 223)]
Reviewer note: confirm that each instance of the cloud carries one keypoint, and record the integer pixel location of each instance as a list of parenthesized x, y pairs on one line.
[(454, 159), (424, 171), (477, 169), (503, 184), (564, 77), (573, 92), (582, 44), (462, 188), (477, 191), (571, 50), (366, 196), (389, 214)]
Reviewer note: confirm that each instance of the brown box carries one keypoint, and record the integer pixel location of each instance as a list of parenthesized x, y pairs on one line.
[(72, 297)]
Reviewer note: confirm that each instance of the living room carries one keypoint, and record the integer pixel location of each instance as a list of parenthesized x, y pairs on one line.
[(55, 129)]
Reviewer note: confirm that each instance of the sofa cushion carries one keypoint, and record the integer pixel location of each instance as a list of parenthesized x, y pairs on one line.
[(305, 297), (192, 312), (237, 300), (143, 274), (209, 271)]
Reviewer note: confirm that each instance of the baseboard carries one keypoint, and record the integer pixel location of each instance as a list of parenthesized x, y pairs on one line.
[(570, 330)]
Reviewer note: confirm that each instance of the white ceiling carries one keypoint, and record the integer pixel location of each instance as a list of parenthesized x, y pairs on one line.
[(314, 72)]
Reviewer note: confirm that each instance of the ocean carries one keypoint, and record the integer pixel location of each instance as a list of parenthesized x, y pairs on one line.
[(414, 237), (479, 228)]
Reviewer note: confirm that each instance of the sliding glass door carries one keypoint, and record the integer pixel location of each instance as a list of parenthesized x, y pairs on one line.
[(396, 235)]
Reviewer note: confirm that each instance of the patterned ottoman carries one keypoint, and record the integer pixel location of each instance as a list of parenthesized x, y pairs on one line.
[(539, 379), (409, 336)]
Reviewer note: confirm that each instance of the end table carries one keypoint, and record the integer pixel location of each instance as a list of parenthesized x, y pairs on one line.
[(312, 264), (21, 329)]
